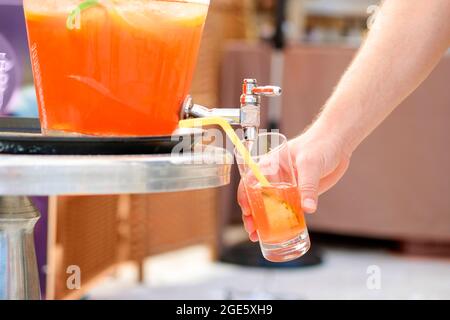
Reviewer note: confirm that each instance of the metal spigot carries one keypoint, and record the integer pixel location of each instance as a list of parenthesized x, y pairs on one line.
[(247, 116)]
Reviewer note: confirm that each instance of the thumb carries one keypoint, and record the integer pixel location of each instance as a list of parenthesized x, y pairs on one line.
[(309, 172)]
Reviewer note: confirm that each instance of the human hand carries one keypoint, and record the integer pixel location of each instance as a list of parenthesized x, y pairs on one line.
[(319, 160)]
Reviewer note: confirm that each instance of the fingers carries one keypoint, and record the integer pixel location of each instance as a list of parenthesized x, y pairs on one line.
[(309, 174), (243, 201), (247, 218), (253, 237), (249, 224)]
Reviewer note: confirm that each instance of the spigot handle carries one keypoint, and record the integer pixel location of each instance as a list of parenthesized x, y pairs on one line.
[(268, 91), (250, 88)]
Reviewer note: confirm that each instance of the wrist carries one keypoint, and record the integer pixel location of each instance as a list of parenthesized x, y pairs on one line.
[(333, 132)]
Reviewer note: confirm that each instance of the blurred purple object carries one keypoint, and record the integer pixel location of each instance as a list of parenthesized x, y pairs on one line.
[(40, 239), (11, 2), (14, 58), (9, 74), (13, 49)]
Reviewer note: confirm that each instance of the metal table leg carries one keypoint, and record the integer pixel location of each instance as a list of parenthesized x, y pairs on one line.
[(19, 277)]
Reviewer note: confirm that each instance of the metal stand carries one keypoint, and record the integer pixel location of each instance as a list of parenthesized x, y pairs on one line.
[(85, 175), (18, 268)]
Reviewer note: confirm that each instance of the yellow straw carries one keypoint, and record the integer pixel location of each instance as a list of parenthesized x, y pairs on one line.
[(200, 122)]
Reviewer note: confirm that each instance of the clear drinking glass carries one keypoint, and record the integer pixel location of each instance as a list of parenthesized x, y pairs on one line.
[(113, 67), (276, 209)]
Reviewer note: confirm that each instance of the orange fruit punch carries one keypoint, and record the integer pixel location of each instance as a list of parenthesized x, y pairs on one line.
[(123, 70)]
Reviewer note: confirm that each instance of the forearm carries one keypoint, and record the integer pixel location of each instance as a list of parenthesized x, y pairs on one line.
[(405, 44)]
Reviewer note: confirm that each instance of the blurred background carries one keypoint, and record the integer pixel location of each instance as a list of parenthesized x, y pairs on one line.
[(387, 218)]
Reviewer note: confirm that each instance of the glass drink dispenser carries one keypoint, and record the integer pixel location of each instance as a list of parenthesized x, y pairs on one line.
[(113, 67)]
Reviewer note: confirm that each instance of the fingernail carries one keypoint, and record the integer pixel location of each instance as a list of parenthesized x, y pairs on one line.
[(253, 237), (310, 204)]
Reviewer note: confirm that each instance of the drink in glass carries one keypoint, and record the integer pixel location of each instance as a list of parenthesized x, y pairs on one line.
[(276, 208)]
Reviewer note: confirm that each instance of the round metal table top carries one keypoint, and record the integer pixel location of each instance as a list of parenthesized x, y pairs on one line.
[(94, 175)]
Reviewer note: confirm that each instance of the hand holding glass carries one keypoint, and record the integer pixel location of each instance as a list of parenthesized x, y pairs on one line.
[(276, 207)]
